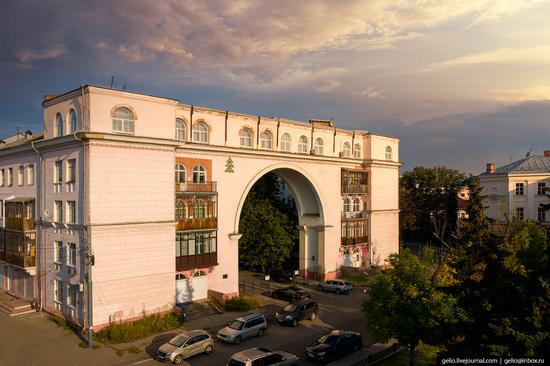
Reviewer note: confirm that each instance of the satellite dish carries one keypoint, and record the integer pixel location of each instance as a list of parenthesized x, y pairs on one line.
[(46, 214)]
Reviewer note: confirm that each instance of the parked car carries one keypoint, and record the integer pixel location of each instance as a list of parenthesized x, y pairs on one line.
[(243, 327), (338, 286), (291, 314), (334, 345), (290, 294), (281, 275), (263, 357), (185, 345)]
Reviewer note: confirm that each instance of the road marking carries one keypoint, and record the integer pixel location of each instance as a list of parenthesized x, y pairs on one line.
[(142, 361)]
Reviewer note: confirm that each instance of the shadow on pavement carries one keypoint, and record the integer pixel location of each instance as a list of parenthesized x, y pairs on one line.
[(153, 347)]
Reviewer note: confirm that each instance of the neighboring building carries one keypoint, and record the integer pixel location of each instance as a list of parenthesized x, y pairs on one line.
[(517, 189), (142, 196), (462, 201)]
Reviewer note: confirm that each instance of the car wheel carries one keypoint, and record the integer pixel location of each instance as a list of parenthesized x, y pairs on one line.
[(338, 291), (294, 322), (208, 350), (313, 316), (319, 288), (356, 347), (238, 340), (178, 359), (261, 332)]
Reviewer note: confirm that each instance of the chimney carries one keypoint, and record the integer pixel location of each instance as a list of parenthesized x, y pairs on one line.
[(547, 153), (490, 168)]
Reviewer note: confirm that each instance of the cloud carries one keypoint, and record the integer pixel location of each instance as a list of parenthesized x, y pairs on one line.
[(27, 56), (327, 86), (370, 92)]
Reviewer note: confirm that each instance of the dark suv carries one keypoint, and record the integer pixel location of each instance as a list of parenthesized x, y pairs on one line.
[(299, 310), (334, 345)]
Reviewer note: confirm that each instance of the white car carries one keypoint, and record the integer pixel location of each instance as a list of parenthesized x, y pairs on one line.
[(338, 286)]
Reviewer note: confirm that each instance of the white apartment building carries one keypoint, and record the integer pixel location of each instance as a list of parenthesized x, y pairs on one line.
[(517, 189), (129, 203)]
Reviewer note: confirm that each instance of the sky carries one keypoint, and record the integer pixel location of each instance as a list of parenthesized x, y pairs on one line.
[(460, 82)]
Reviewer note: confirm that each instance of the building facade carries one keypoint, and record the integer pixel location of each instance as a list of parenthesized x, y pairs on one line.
[(517, 190), (129, 203)]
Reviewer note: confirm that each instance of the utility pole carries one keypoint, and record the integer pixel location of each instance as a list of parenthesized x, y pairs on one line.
[(89, 260)]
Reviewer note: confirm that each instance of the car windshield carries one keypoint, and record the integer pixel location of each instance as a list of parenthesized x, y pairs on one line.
[(233, 362), (328, 339), (289, 308), (236, 324), (178, 340)]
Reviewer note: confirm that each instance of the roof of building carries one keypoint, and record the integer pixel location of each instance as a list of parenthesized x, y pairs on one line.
[(529, 164), (461, 203), (20, 139)]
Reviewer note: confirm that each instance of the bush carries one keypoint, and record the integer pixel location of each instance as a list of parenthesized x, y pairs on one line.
[(241, 303), (131, 331)]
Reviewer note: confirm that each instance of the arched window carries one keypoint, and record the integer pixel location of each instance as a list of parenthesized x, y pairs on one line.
[(181, 210), (181, 174), (72, 121), (356, 204), (346, 150), (59, 125), (246, 137), (199, 174), (181, 130), (303, 145), (200, 133), (388, 153), (123, 120), (318, 146), (266, 140), (199, 211), (357, 151), (286, 142), (346, 204), (180, 277)]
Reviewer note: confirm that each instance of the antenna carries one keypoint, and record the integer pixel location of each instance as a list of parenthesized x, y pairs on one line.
[(112, 80)]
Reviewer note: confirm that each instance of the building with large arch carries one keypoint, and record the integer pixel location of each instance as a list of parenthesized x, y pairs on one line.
[(129, 203)]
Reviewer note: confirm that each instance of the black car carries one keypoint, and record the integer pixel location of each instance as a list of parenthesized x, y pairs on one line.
[(290, 294), (334, 345), (291, 314), (281, 275)]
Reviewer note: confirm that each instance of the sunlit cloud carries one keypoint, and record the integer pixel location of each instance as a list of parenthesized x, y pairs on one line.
[(28, 55), (370, 92), (327, 86)]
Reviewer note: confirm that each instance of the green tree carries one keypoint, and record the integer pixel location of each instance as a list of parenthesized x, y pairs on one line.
[(408, 301)]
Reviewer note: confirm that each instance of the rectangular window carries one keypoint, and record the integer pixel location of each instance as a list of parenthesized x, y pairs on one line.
[(58, 211), (71, 212), (2, 178), (9, 177), (30, 175), (519, 189), (519, 213), (71, 254), (20, 175), (58, 290), (57, 171), (540, 188), (58, 252), (71, 170), (72, 293), (195, 243), (542, 214)]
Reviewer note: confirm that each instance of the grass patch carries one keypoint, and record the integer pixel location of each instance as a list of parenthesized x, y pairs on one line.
[(119, 352), (83, 345), (61, 322), (426, 356), (131, 331), (96, 346), (133, 349), (357, 281), (241, 303)]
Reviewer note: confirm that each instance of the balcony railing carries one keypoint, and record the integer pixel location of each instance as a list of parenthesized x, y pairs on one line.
[(20, 224), (355, 240), (2, 222), (354, 214), (355, 188), (196, 261), (193, 187), (21, 260), (197, 224)]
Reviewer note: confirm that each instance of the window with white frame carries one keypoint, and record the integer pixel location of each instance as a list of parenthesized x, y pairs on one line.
[(181, 130), (520, 189), (72, 293), (71, 170), (388, 153), (245, 137), (542, 214), (2, 177), (58, 252), (347, 204), (72, 121), (303, 145), (57, 171), (30, 175), (357, 151), (20, 175), (540, 188), (519, 214), (71, 255), (200, 133), (71, 212), (318, 146), (123, 120), (58, 291), (181, 173), (266, 140), (58, 211), (286, 142), (346, 150), (181, 210), (9, 177), (199, 210), (199, 174), (356, 204), (59, 125)]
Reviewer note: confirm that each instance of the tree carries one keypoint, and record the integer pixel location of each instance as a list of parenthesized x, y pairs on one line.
[(408, 301), (428, 203)]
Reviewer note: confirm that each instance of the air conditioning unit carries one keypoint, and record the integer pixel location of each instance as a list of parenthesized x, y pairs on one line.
[(341, 154)]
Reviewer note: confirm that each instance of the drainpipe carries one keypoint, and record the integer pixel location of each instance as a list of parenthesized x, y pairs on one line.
[(39, 250), (258, 133), (191, 124), (226, 116)]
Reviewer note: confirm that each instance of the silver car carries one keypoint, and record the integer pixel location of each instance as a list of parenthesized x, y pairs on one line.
[(243, 327), (338, 286), (185, 345), (264, 357)]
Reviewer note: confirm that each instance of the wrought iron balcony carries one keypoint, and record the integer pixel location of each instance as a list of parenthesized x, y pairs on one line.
[(354, 214), (197, 223), (194, 187)]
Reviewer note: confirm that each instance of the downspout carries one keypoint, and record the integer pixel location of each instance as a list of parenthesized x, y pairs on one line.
[(312, 130), (258, 133), (41, 272), (352, 143), (278, 126), (191, 124), (334, 141), (226, 116)]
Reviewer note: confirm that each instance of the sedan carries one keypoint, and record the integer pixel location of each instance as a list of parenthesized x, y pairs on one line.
[(290, 294), (185, 345), (334, 345)]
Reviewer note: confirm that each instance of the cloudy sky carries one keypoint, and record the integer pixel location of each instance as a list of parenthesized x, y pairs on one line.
[(461, 82)]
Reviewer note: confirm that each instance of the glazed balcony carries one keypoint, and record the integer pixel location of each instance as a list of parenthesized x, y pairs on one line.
[(196, 261), (354, 215), (355, 240), (355, 188), (193, 187), (20, 224), (20, 259), (197, 224)]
